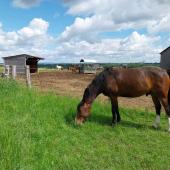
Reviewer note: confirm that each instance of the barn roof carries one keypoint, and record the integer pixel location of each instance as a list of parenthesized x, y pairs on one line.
[(88, 61), (23, 55), (165, 50)]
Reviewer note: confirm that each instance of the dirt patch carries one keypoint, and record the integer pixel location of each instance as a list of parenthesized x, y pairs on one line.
[(73, 84)]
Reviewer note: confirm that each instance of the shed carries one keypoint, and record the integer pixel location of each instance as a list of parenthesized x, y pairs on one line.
[(87, 66), (21, 61), (165, 59)]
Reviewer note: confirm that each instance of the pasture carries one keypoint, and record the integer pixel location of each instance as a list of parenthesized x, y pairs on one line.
[(73, 84), (37, 131)]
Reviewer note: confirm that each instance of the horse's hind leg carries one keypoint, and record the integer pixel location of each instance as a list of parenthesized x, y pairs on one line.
[(115, 110), (157, 105), (164, 102)]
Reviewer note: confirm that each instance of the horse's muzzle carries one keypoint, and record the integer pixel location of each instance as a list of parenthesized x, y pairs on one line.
[(79, 120)]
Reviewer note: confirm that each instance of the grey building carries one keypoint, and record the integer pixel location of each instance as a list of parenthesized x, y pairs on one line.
[(21, 61), (88, 67), (165, 59)]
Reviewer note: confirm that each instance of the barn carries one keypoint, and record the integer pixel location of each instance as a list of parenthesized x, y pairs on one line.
[(21, 61), (165, 59)]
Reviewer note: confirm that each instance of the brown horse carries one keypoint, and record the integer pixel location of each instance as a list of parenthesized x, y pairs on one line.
[(132, 82)]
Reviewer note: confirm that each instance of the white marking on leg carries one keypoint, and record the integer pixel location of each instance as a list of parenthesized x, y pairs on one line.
[(169, 124), (157, 121)]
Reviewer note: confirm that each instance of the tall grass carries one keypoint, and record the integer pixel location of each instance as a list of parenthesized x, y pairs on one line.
[(37, 132)]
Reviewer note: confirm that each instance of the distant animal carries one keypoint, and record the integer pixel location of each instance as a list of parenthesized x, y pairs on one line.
[(59, 67), (129, 82), (74, 69)]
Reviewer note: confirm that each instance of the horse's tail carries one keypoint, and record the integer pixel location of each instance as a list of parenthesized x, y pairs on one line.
[(168, 71)]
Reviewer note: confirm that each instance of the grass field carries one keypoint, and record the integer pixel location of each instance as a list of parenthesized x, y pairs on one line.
[(37, 132), (1, 69)]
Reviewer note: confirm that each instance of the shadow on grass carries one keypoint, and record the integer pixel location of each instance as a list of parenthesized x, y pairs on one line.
[(70, 118), (107, 121), (129, 124)]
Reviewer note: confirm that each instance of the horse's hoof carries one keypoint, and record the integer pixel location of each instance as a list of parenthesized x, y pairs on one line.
[(118, 120), (113, 124)]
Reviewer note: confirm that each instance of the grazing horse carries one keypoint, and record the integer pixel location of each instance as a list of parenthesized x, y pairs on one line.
[(132, 82)]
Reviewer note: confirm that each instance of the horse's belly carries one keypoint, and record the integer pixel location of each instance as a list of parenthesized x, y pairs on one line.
[(133, 93)]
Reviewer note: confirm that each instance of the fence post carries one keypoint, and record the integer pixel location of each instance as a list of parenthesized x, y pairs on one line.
[(14, 72), (7, 71), (28, 76)]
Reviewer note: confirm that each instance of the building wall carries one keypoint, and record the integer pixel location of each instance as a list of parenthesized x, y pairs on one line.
[(165, 59), (20, 63), (88, 68)]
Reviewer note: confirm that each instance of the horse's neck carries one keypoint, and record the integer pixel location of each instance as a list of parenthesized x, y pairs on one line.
[(92, 94)]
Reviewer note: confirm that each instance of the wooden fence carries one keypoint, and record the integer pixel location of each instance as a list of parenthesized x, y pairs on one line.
[(10, 72)]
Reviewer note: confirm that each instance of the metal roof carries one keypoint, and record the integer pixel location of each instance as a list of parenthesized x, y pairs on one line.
[(23, 55), (87, 61), (165, 50)]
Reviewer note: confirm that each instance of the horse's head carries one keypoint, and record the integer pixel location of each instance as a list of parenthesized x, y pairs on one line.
[(83, 111), (83, 108)]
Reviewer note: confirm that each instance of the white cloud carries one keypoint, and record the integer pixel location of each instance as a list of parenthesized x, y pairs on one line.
[(162, 25), (86, 28), (34, 35), (82, 39), (136, 41), (122, 14), (25, 3), (36, 27), (30, 39), (133, 48), (34, 39)]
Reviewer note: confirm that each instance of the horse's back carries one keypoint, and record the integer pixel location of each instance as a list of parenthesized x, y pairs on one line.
[(133, 82), (139, 73)]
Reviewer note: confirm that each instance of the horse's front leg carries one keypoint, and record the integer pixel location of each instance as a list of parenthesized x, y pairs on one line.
[(115, 111), (167, 109)]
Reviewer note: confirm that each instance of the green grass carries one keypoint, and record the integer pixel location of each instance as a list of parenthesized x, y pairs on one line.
[(37, 132), (1, 69)]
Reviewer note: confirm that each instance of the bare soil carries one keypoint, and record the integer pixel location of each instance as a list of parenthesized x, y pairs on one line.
[(73, 84)]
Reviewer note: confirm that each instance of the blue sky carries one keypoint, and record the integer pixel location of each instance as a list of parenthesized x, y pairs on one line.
[(100, 30), (14, 18)]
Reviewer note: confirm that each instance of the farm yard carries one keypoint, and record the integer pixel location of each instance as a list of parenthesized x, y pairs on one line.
[(73, 84), (38, 130), (56, 57)]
